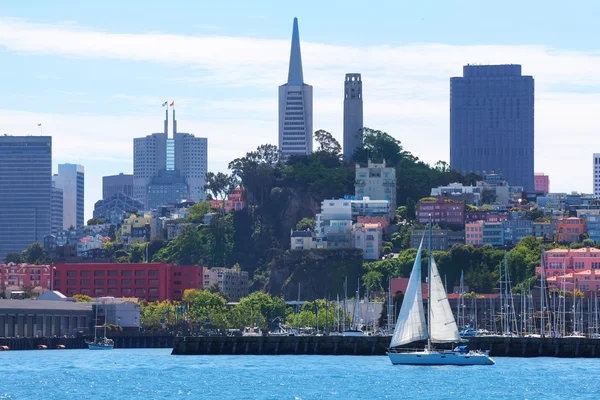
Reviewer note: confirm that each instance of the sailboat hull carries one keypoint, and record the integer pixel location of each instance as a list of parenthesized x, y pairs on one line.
[(441, 358), (93, 346)]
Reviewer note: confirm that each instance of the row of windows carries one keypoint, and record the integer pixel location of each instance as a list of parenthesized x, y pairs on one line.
[(109, 273)]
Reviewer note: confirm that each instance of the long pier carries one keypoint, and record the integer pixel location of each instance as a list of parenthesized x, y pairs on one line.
[(377, 346), (121, 342)]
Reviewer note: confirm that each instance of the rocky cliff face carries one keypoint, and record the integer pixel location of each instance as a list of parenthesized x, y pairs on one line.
[(300, 204), (319, 273)]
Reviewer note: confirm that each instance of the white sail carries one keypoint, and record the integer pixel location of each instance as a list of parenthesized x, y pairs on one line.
[(411, 320), (443, 325)]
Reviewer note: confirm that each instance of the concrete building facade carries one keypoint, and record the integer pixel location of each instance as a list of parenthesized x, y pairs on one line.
[(353, 114), (492, 123), (377, 182), (169, 170), (121, 183), (295, 105), (56, 223), (232, 282), (541, 182), (26, 191), (71, 179)]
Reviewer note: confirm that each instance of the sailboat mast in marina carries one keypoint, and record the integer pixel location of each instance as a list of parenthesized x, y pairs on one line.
[(440, 326)]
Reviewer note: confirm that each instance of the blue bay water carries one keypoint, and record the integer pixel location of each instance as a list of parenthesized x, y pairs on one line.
[(155, 374)]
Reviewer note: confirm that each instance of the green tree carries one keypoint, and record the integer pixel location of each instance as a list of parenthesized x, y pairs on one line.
[(82, 298), (35, 254), (372, 281), (488, 196), (197, 211), (306, 224), (96, 221), (245, 313), (588, 243), (327, 143), (112, 233), (13, 257)]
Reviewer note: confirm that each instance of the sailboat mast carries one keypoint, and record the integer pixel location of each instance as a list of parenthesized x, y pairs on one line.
[(429, 285), (542, 295)]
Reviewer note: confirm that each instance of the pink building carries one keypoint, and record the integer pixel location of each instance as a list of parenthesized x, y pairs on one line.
[(496, 217), (400, 285), (569, 229), (383, 221), (560, 265), (474, 233), (24, 276), (235, 201), (541, 182)]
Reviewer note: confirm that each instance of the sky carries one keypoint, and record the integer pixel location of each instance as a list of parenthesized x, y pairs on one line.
[(95, 74)]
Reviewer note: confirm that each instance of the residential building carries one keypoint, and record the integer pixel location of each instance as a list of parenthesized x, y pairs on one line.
[(26, 191), (495, 190), (545, 230), (541, 182), (141, 229), (112, 184), (168, 170), (295, 105), (306, 240), (44, 318), (441, 210), (148, 281), (230, 281), (493, 234), (367, 207), (569, 229), (24, 276), (338, 234), (492, 123), (89, 243), (377, 182), (353, 114), (175, 229), (474, 233), (71, 179), (515, 230), (592, 223), (563, 266), (457, 191), (234, 202), (115, 207), (56, 219), (383, 221), (596, 166), (441, 239), (351, 208), (368, 238)]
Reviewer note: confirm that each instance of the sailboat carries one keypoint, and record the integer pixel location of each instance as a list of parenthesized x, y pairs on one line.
[(100, 343), (355, 327), (412, 327)]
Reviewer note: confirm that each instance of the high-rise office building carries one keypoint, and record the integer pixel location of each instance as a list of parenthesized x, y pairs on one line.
[(56, 219), (597, 175), (122, 183), (491, 123), (353, 114), (169, 170), (71, 179), (295, 105), (25, 191)]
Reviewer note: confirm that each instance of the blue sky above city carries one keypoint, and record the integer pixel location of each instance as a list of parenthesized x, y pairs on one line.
[(95, 74)]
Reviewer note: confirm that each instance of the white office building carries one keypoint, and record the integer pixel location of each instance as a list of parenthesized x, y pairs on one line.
[(71, 180), (295, 105)]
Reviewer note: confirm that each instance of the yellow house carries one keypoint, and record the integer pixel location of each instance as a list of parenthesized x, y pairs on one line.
[(137, 227)]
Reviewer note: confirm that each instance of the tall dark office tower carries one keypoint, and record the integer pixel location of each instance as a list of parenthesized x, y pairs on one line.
[(25, 191), (353, 114), (491, 123)]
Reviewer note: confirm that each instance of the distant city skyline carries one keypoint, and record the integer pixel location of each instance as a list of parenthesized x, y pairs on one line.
[(96, 78)]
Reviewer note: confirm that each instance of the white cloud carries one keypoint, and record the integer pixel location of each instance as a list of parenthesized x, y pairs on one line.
[(406, 91)]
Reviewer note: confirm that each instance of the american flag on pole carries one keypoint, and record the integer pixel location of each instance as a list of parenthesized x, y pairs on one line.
[(165, 103)]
